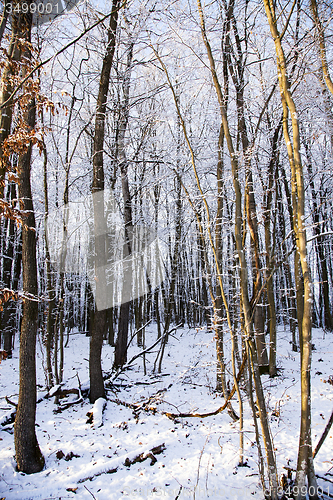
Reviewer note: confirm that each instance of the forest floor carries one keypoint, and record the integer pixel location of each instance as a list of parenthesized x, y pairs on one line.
[(195, 458)]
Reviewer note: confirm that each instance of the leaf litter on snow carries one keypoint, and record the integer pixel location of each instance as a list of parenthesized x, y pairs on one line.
[(130, 449)]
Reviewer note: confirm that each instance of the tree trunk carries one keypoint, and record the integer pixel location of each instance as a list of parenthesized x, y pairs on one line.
[(247, 310), (270, 250), (49, 284), (99, 323), (28, 455), (220, 372), (9, 307), (305, 467), (6, 113), (322, 45), (120, 355)]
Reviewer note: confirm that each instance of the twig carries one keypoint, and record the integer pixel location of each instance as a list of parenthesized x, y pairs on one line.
[(90, 492), (179, 492), (198, 471), (324, 478), (138, 331)]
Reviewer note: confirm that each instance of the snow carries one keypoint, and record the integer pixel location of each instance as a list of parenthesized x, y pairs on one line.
[(97, 411), (200, 459)]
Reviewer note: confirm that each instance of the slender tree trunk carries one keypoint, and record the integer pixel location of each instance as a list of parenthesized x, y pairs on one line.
[(305, 467), (269, 251), (320, 245), (120, 355), (322, 45), (236, 65), (6, 113), (220, 373), (247, 310), (9, 307), (49, 284), (289, 284)]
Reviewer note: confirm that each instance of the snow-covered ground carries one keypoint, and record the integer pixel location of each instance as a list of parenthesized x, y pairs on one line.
[(200, 459)]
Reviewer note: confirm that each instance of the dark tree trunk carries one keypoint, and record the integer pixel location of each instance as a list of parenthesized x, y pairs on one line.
[(99, 324), (28, 455)]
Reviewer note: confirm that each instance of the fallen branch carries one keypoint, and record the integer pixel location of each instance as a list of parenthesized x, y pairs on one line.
[(8, 418), (143, 405), (324, 435), (136, 407), (64, 393), (219, 410), (65, 406), (89, 478), (10, 402)]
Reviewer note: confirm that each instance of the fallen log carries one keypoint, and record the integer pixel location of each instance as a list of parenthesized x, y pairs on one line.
[(143, 456), (156, 450)]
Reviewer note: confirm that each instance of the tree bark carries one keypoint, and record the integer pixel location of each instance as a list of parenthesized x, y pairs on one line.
[(270, 249)]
